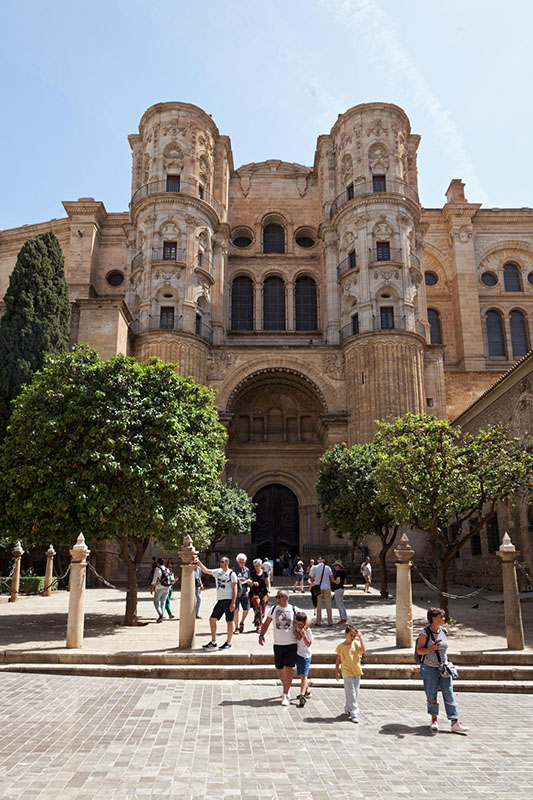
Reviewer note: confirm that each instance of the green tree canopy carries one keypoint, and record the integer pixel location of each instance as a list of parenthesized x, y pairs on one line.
[(115, 449), (445, 482), (232, 514), (348, 494), (37, 316)]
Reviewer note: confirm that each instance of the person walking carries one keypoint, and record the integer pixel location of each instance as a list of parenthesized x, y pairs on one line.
[(268, 567), (304, 640), (286, 561), (226, 582), (198, 589), (320, 577), (259, 592), (243, 600), (160, 587), (173, 580), (337, 584), (366, 572), (298, 573), (285, 642), (348, 662), (436, 671)]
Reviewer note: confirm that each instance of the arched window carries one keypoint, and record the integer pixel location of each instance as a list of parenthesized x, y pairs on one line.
[(434, 326), (274, 304), (511, 278), (495, 334), (519, 337), (242, 304), (305, 310), (273, 238)]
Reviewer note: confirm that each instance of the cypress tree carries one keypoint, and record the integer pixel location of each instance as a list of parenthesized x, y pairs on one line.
[(37, 317)]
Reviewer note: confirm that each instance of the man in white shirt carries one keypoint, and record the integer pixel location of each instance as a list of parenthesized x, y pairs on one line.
[(269, 569), (321, 575), (285, 642), (366, 572), (226, 581)]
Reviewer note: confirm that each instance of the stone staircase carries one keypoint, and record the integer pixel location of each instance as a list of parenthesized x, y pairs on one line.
[(500, 671)]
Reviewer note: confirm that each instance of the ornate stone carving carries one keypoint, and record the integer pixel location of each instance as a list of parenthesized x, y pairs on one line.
[(377, 129), (173, 128), (378, 158), (334, 366), (346, 168), (173, 155), (217, 364)]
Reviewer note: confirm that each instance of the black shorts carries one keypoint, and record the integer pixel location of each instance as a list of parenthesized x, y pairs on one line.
[(222, 607), (243, 602), (285, 655)]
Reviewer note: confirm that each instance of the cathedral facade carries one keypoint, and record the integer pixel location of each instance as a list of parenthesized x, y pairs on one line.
[(314, 299)]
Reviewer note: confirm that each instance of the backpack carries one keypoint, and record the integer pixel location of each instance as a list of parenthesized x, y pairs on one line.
[(419, 659), (164, 577)]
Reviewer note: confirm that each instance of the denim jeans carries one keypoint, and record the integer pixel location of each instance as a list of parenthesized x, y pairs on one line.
[(160, 599), (351, 692), (339, 602), (198, 599), (433, 680)]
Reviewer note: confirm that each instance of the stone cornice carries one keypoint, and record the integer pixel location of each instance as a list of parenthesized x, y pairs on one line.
[(86, 207), (106, 302), (171, 198), (358, 204), (16, 236), (459, 212)]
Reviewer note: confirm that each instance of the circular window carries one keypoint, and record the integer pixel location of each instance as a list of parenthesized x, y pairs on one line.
[(242, 241), (305, 241), (489, 279), (530, 278), (431, 278), (115, 278)]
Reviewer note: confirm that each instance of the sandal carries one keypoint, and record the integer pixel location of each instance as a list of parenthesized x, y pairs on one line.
[(241, 627)]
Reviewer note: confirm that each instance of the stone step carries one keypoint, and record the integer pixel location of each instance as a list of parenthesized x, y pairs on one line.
[(374, 675), (503, 658)]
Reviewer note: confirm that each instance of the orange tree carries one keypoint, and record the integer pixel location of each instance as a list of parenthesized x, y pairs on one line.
[(445, 482), (117, 449)]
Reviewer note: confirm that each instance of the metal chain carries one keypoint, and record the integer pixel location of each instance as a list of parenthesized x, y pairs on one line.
[(41, 591), (459, 596), (100, 578)]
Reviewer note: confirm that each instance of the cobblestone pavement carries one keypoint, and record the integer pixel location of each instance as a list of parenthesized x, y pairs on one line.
[(131, 739)]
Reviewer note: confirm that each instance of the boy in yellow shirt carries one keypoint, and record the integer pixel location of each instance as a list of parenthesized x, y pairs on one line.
[(349, 655)]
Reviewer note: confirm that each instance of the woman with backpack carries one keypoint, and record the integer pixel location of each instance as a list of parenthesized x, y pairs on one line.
[(160, 587), (259, 592), (431, 652)]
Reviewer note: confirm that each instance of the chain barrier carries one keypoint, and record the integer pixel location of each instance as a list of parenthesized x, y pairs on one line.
[(100, 578), (55, 581), (460, 596)]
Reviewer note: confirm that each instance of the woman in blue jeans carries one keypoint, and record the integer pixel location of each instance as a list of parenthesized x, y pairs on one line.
[(432, 647)]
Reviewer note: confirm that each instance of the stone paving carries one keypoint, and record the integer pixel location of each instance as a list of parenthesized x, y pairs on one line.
[(129, 739), (40, 623)]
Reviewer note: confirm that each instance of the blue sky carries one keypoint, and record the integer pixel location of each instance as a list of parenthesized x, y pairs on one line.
[(76, 77)]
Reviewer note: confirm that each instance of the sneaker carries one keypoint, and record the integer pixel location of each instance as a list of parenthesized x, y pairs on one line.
[(434, 727), (354, 719), (301, 700), (159, 619), (171, 616), (307, 694), (225, 646), (241, 628), (209, 646), (346, 714), (458, 727), (234, 632), (285, 700)]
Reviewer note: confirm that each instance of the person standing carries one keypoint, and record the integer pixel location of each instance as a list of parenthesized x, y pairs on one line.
[(304, 640), (432, 648), (226, 582), (269, 569), (366, 572), (298, 573), (337, 584), (286, 561), (259, 592), (285, 642), (243, 600), (173, 580), (348, 662), (320, 576), (160, 587), (198, 589)]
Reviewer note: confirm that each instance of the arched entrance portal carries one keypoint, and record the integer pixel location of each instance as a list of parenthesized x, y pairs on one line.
[(276, 527)]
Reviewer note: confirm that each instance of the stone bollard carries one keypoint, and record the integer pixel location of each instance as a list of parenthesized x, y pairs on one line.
[(49, 571), (76, 602), (404, 596), (188, 595), (511, 599), (17, 553)]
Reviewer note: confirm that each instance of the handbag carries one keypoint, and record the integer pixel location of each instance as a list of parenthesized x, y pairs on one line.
[(316, 590), (451, 669)]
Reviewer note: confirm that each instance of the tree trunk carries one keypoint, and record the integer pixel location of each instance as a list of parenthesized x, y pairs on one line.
[(442, 577), (130, 616), (352, 566), (386, 544)]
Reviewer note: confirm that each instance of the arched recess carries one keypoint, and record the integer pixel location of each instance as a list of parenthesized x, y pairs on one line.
[(244, 376), (276, 527)]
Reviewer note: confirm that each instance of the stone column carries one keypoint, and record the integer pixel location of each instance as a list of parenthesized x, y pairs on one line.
[(404, 597), (50, 553), (76, 603), (511, 599), (188, 595), (17, 553)]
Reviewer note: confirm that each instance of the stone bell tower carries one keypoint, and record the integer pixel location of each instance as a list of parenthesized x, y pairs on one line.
[(373, 262), (177, 235)]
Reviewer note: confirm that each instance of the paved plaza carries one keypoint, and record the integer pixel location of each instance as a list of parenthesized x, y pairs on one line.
[(131, 739)]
